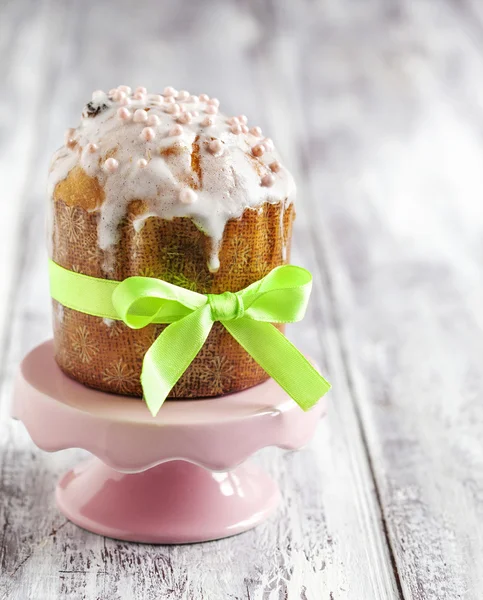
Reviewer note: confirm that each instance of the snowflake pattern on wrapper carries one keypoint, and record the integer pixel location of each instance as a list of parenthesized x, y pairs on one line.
[(218, 372), (114, 328), (72, 223), (120, 376), (83, 345)]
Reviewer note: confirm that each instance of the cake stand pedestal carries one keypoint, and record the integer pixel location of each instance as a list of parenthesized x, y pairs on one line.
[(177, 478)]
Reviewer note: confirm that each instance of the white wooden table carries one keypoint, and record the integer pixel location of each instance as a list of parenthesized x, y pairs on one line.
[(377, 107)]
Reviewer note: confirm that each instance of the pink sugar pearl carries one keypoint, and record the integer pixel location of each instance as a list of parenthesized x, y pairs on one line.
[(211, 109), (125, 101), (174, 109), (118, 95), (258, 150), (111, 165), (169, 91), (140, 116), (188, 196), (204, 97), (256, 131), (207, 122), (268, 143), (214, 102), (183, 95), (176, 130), (92, 148), (268, 180), (156, 99), (124, 114), (244, 129), (236, 129), (148, 134), (153, 120), (141, 90), (216, 147), (139, 97), (142, 163), (194, 99), (185, 118), (243, 119), (275, 166), (125, 88)]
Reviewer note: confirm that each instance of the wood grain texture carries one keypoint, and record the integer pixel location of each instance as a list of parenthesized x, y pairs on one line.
[(376, 108), (401, 240)]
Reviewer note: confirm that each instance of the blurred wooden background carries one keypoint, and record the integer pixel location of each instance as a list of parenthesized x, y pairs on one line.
[(377, 107)]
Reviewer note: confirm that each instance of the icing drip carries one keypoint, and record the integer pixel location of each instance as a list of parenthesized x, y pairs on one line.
[(178, 154)]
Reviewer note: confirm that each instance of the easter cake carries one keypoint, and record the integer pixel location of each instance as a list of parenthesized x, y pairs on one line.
[(169, 187)]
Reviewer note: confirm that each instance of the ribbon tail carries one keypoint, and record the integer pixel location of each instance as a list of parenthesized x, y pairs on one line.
[(171, 354), (280, 359)]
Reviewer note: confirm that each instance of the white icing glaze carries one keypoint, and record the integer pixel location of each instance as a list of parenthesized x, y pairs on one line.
[(134, 161)]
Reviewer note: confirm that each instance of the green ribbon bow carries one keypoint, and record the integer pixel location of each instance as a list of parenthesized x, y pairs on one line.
[(279, 297)]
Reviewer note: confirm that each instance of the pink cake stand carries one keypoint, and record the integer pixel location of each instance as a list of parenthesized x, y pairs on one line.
[(177, 478)]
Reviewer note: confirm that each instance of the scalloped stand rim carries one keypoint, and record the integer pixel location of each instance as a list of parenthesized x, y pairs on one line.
[(178, 478)]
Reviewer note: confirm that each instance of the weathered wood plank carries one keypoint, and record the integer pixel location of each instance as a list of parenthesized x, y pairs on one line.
[(355, 512), (25, 55), (397, 219)]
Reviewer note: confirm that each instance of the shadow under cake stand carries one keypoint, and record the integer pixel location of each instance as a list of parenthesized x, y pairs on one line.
[(176, 478)]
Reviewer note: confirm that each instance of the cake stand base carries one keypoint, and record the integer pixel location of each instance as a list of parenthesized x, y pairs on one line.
[(176, 478), (174, 503)]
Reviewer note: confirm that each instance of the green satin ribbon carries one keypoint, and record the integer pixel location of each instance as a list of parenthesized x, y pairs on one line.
[(280, 297)]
